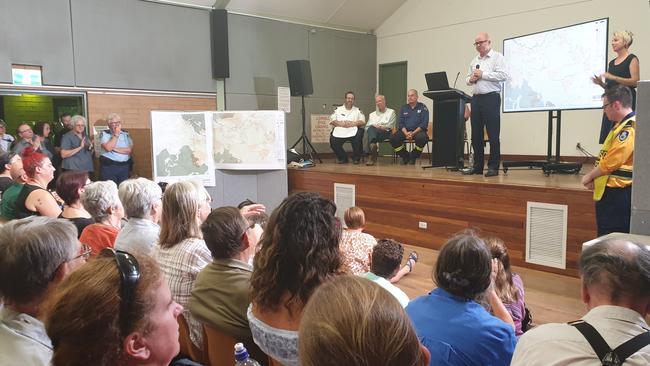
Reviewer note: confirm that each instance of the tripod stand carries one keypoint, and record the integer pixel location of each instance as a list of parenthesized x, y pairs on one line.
[(304, 138)]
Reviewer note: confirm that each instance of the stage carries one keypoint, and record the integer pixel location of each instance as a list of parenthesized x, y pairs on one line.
[(397, 197)]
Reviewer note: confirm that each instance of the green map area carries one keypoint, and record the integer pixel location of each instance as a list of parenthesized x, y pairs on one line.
[(179, 164)]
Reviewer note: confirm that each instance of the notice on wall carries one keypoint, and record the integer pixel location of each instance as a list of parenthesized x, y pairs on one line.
[(284, 99), (344, 198), (320, 128)]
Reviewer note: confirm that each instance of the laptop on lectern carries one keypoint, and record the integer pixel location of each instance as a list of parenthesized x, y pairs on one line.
[(437, 81)]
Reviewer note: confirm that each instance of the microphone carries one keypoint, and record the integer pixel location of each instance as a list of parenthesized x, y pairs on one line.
[(478, 66), (457, 75)]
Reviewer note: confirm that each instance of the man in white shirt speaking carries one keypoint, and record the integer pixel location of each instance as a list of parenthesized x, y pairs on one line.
[(486, 73), (348, 122), (380, 125)]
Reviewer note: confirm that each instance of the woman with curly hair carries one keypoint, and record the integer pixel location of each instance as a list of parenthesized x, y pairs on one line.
[(299, 251)]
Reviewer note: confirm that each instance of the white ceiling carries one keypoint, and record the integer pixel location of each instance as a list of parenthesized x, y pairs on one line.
[(360, 15)]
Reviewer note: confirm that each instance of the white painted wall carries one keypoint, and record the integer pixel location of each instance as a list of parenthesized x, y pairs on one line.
[(436, 35)]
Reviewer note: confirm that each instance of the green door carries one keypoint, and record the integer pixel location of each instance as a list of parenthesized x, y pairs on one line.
[(392, 84)]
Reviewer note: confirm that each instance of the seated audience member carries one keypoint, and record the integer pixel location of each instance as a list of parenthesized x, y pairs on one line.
[(298, 252), (115, 310), (36, 254), (348, 122), (451, 324), (5, 139), (7, 161), (181, 251), (615, 277), (76, 147), (102, 202), (10, 195), (257, 219), (356, 246), (349, 321), (69, 186), (220, 296), (384, 264), (34, 198), (380, 126), (508, 285), (142, 200)]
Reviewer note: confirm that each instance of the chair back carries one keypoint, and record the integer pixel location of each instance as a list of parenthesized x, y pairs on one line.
[(187, 347), (219, 348)]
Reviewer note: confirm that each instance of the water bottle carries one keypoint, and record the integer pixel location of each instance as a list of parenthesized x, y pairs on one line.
[(242, 358)]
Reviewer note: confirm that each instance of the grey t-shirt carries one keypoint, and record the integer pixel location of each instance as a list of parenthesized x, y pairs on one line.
[(83, 160)]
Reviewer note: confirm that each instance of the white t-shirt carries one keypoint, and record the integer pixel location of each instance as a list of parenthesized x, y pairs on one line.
[(343, 114), (394, 290)]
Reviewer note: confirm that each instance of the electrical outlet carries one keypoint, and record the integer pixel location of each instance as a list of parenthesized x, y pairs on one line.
[(422, 225)]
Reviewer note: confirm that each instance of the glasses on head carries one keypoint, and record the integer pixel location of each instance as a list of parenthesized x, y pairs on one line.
[(129, 270), (479, 42), (85, 252)]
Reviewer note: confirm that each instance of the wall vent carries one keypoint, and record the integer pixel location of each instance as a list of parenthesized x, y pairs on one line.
[(546, 231)]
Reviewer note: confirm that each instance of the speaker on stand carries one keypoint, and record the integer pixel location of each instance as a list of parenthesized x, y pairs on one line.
[(300, 84)]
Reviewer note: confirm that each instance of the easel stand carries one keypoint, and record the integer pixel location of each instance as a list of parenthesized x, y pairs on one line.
[(550, 165), (305, 139)]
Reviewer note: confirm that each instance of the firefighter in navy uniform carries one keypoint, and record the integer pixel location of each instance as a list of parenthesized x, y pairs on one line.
[(611, 178), (413, 121)]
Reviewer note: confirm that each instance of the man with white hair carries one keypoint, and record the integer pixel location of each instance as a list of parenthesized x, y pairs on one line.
[(76, 147), (615, 277), (142, 201), (115, 158), (36, 254), (380, 125)]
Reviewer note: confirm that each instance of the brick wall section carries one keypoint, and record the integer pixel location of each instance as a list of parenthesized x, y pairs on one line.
[(136, 118)]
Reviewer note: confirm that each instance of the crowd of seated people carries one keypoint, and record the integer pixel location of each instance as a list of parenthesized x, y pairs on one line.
[(295, 284)]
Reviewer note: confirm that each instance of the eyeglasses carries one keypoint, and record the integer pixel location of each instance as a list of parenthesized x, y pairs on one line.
[(114, 122), (479, 42), (23, 131), (129, 270), (605, 105), (85, 252)]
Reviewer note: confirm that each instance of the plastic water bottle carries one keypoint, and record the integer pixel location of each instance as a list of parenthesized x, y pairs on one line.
[(242, 358)]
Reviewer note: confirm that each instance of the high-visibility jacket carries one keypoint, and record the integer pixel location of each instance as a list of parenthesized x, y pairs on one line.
[(616, 157)]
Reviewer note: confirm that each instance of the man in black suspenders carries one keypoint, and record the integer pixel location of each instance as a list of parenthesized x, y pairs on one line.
[(615, 278)]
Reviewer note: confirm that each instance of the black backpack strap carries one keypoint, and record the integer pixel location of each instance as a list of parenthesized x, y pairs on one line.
[(630, 347), (594, 338)]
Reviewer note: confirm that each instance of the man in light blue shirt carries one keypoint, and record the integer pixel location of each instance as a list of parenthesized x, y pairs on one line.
[(115, 158)]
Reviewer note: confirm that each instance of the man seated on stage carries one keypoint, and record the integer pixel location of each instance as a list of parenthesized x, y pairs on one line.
[(611, 178), (413, 123), (348, 122), (380, 126), (615, 277)]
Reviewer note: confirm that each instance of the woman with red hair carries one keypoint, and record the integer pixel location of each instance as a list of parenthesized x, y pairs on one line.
[(34, 198)]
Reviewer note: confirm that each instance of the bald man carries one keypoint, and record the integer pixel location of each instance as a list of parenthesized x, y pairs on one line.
[(615, 276), (486, 73)]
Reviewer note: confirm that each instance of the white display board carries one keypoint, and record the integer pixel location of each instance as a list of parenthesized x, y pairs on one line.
[(190, 145), (552, 70)]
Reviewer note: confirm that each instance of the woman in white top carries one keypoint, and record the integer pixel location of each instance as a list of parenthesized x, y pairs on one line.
[(181, 251), (299, 251)]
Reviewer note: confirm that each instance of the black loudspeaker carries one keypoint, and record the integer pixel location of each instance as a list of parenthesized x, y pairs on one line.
[(219, 43), (300, 77)]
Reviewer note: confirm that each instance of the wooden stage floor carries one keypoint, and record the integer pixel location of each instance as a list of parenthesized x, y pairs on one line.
[(397, 197)]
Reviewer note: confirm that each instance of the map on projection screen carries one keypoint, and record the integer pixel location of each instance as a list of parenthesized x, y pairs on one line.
[(182, 147), (252, 140), (552, 70)]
